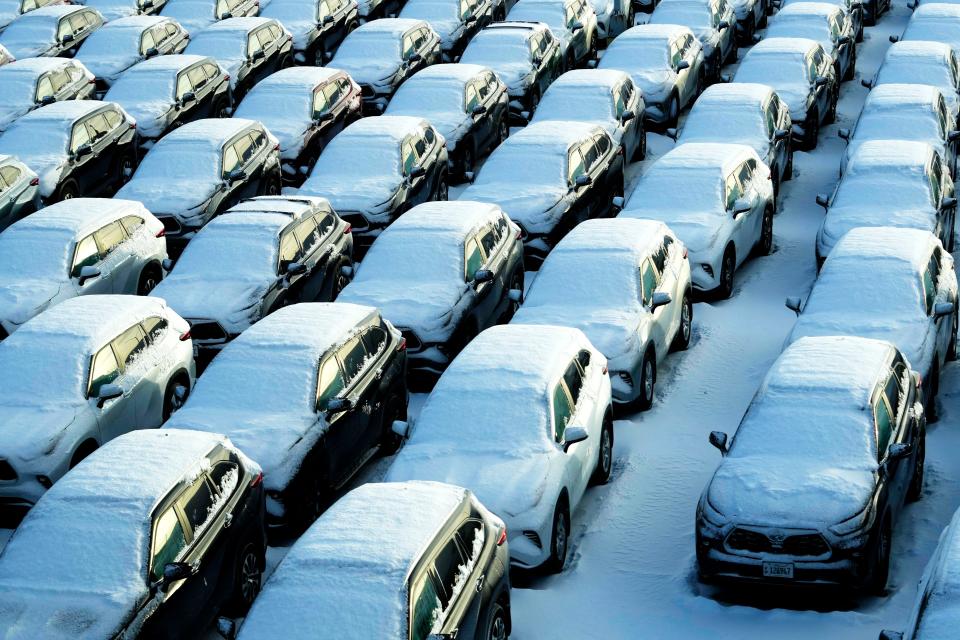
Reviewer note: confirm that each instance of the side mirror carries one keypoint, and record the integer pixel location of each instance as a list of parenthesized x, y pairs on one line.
[(823, 200), (954, 136), (627, 116), (894, 39), (339, 405), (793, 303), (67, 38), (88, 272), (236, 175), (189, 96), (83, 150), (146, 4), (867, 83), (258, 55), (572, 436), (660, 299), (741, 205), (328, 20), (226, 15), (683, 64), (417, 172), (844, 134), (537, 60), (108, 392), (296, 269), (948, 202), (820, 81), (227, 628), (325, 116), (479, 110), (481, 276), (845, 40), (583, 181), (719, 440), (723, 25), (781, 134), (175, 571), (899, 450), (401, 428), (151, 52), (469, 19), (942, 309), (45, 100), (576, 26), (414, 57)]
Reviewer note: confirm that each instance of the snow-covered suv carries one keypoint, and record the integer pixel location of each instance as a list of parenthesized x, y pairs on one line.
[(541, 430), (82, 373)]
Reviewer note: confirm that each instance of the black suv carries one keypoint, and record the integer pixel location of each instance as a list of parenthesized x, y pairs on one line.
[(150, 536)]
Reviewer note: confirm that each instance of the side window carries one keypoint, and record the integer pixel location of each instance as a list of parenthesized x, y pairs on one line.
[(590, 155), (324, 222), (3, 184), (660, 257), (44, 88), (746, 174), (472, 259), (154, 327), (103, 370), (11, 175), (408, 45), (210, 70), (575, 165), (113, 118), (353, 358), (884, 425), (733, 191), (330, 382), (79, 22), (562, 410), (231, 159), (289, 251), (603, 145), (266, 37), (110, 237), (489, 241), (183, 84), (573, 378), (621, 98), (770, 118), (323, 10), (63, 28), (320, 102), (131, 224), (895, 389), (80, 136), (649, 282), (171, 29), (930, 276), (425, 609), (675, 54), (332, 91), (97, 127), (224, 476), (534, 44), (447, 567), (374, 339), (936, 180), (197, 504), (472, 100), (306, 233), (129, 344), (421, 147), (168, 542), (471, 539), (147, 42), (409, 159), (429, 137), (253, 44), (198, 77), (85, 255)]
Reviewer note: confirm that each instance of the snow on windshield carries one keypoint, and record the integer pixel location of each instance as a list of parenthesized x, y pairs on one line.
[(399, 256), (110, 43), (361, 47), (34, 137), (690, 15), (36, 252), (179, 160), (229, 253), (648, 53), (538, 166), (358, 157), (264, 105), (460, 581), (723, 124), (487, 49), (583, 104), (894, 189), (775, 70), (19, 90), (678, 189), (551, 14), (416, 98), (141, 86), (220, 44), (905, 123), (915, 70), (811, 28)]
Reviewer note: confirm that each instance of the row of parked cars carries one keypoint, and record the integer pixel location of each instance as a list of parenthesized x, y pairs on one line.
[(310, 389)]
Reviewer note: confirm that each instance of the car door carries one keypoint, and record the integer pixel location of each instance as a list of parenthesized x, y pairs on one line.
[(203, 91), (416, 185), (334, 95), (359, 373), (571, 408), (86, 253), (942, 326), (100, 160), (118, 415), (482, 252), (116, 260), (13, 183), (651, 280), (740, 231), (313, 256), (669, 318), (138, 377), (749, 176), (885, 423)]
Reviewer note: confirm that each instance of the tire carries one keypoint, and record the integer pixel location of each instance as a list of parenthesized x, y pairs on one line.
[(126, 165), (880, 572), (788, 171), (272, 186), (442, 191), (149, 278), (533, 100), (219, 109), (247, 580), (85, 449), (67, 191), (832, 113), (765, 245), (319, 55), (389, 441), (516, 282), (685, 331), (931, 401), (559, 537), (285, 62), (725, 290), (673, 113), (648, 381), (641, 151), (852, 69), (337, 282), (569, 62), (916, 482), (498, 628), (503, 132), (467, 160), (175, 396), (812, 131), (601, 475)]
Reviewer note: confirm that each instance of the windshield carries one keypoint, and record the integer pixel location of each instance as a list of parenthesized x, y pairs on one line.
[(431, 10), (34, 137), (368, 47), (416, 98), (356, 157), (775, 70), (229, 251), (538, 166), (110, 43), (33, 31), (873, 187), (43, 371), (221, 46), (904, 123), (551, 14), (933, 29), (35, 253), (381, 264), (19, 90), (489, 51), (575, 104), (811, 29), (839, 293), (639, 54), (680, 189), (138, 87), (690, 15), (568, 283), (180, 160), (915, 70), (264, 104), (713, 123), (290, 10)]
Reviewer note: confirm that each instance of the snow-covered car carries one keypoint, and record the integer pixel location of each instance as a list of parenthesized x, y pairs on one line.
[(548, 178), (19, 191), (573, 23), (718, 199), (166, 92), (117, 9), (665, 62), (124, 42), (922, 62), (77, 147), (10, 10), (376, 169), (431, 562), (873, 9), (258, 256), (467, 104), (852, 8), (51, 31), (148, 538), (541, 431), (813, 482), (442, 273), (606, 98), (751, 15), (196, 15), (890, 284), (370, 10), (825, 23), (311, 392), (77, 247), (914, 112), (455, 21), (744, 113), (803, 76), (934, 612), (590, 282), (5, 56), (201, 169), (383, 53), (938, 22), (318, 26), (712, 22), (34, 82), (304, 107), (890, 183), (249, 49), (81, 373), (525, 56)]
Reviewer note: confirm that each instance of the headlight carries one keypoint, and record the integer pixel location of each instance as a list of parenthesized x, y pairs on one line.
[(858, 522), (711, 515)]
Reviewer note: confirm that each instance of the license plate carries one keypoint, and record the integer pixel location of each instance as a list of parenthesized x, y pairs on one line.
[(778, 570)]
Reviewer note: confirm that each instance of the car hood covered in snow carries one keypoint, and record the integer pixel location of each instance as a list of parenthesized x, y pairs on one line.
[(27, 613), (34, 427), (167, 195), (235, 305), (366, 71), (22, 299), (428, 308), (531, 206)]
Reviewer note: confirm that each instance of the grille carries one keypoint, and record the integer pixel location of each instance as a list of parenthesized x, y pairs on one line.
[(207, 331), (171, 224), (413, 342), (807, 544), (6, 472), (367, 91), (533, 537), (355, 220)]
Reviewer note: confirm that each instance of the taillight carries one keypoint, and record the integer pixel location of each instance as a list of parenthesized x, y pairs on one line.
[(605, 369), (919, 381), (185, 336), (256, 482), (403, 345), (92, 81), (503, 537), (133, 125), (226, 77), (35, 182), (276, 147), (347, 229), (685, 252), (162, 232)]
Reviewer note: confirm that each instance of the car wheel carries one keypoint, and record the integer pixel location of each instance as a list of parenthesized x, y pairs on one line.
[(248, 580), (673, 111), (559, 537), (725, 290), (812, 131), (852, 67), (389, 441), (82, 452), (174, 397), (467, 160), (570, 62), (272, 186), (442, 190), (336, 282), (916, 482), (685, 331), (601, 475), (497, 629), (149, 279), (765, 246), (648, 380), (219, 109), (533, 101), (319, 56), (124, 169), (832, 110), (931, 400), (952, 347), (516, 282), (640, 153), (68, 190), (788, 170), (881, 560), (503, 132)]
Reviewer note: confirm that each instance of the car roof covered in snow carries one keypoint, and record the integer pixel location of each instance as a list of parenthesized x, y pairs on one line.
[(296, 78), (890, 155), (780, 46), (590, 79), (394, 26), (555, 135), (918, 48), (705, 155), (212, 132), (347, 574), (653, 32), (174, 62), (895, 95), (393, 128), (864, 247), (735, 94), (56, 11), (138, 22), (936, 10), (456, 218), (77, 565), (290, 206), (447, 72), (33, 66), (80, 216), (239, 25), (66, 110), (633, 236), (819, 9)]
